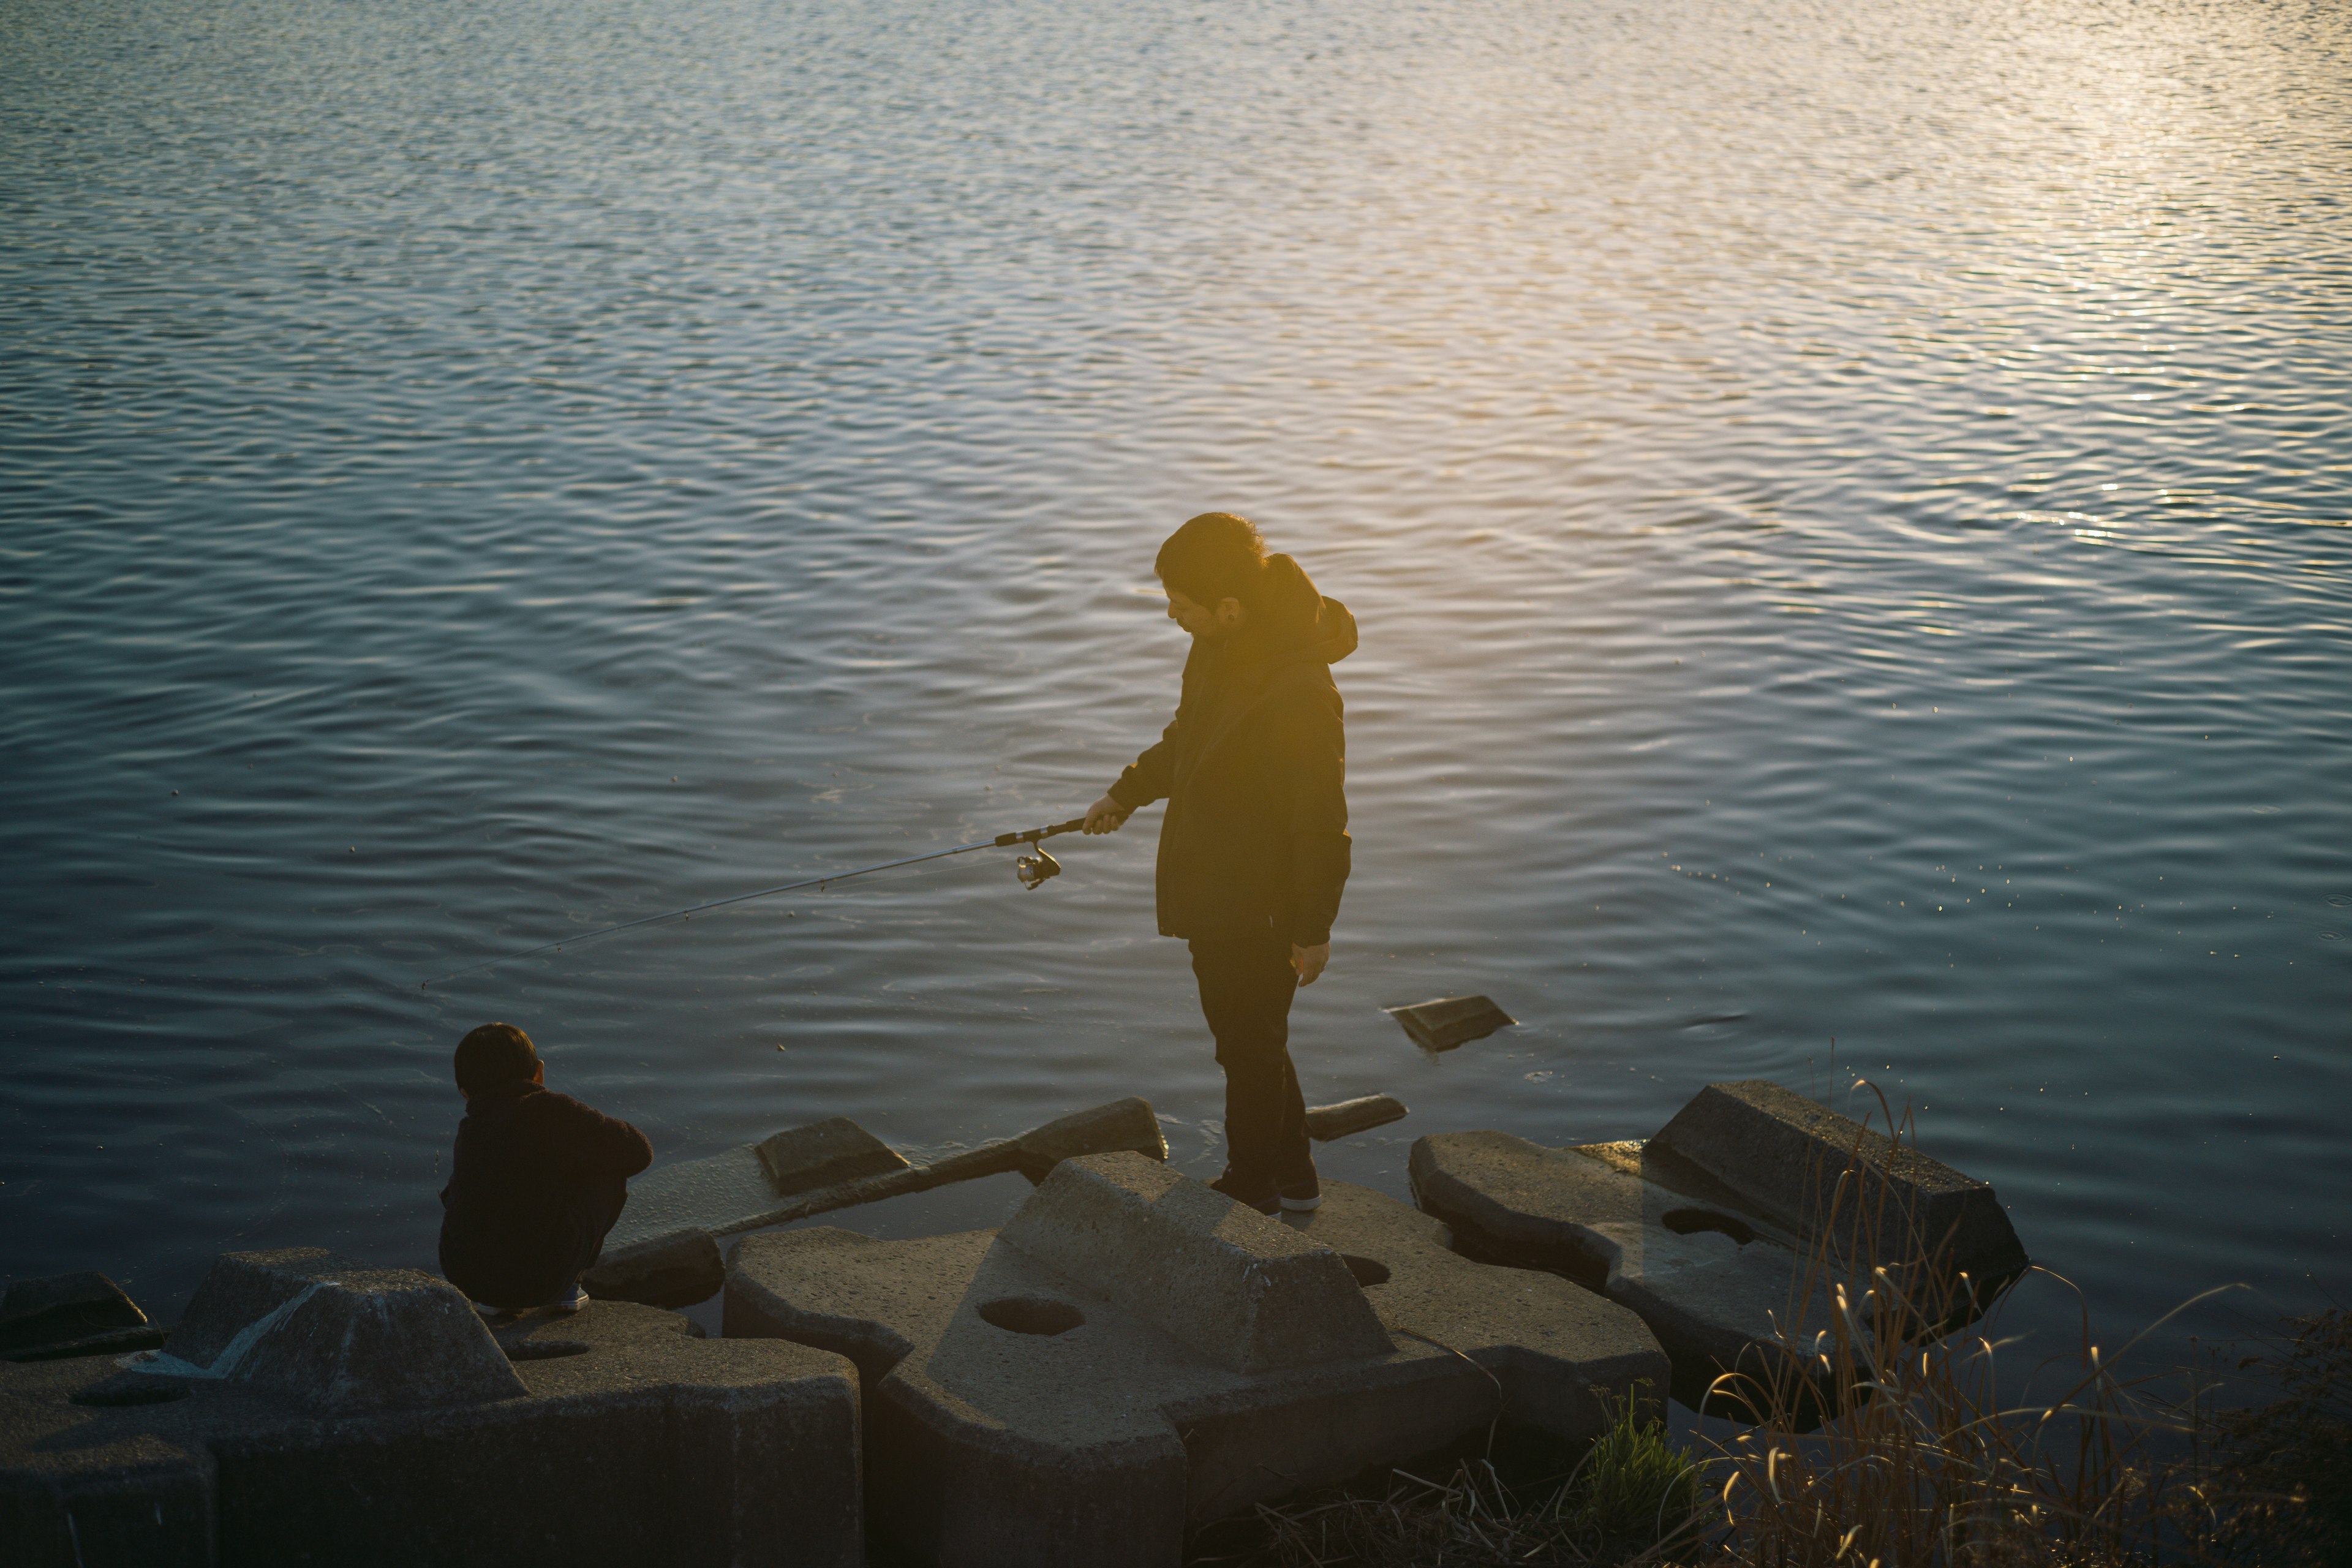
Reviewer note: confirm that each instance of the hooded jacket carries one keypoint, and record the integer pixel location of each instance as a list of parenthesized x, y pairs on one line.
[(535, 1181), (1254, 769)]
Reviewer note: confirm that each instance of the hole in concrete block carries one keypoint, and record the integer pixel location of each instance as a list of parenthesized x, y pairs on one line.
[(1030, 1315), (544, 1350), (1686, 1222), (130, 1393), (1366, 1270)]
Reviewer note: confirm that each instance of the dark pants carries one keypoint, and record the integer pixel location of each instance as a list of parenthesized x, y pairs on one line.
[(1247, 987), (533, 1264)]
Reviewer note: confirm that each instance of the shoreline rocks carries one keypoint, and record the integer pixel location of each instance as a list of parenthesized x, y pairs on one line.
[(1135, 1354), (367, 1417), (1728, 1230)]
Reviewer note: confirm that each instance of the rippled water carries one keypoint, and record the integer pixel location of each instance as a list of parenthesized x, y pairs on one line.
[(1847, 507)]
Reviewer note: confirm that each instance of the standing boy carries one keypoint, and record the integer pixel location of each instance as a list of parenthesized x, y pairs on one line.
[(1254, 851), (536, 1180)]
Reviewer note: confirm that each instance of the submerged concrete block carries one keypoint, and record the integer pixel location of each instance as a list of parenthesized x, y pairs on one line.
[(626, 1440), (1128, 1125), (1029, 1401), (68, 1315), (1805, 1166), (1707, 1283), (675, 1270), (824, 1154), (731, 1192), (1325, 1123), (1713, 1231), (1450, 1021)]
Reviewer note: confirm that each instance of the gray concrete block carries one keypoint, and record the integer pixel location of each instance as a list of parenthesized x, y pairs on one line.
[(719, 1193), (1710, 1285), (1799, 1164), (629, 1440), (824, 1154), (1021, 1411), (731, 1192), (675, 1270), (1557, 1350), (1325, 1122), (339, 1338), (1451, 1021), (1240, 1289), (42, 1317), (1128, 1125)]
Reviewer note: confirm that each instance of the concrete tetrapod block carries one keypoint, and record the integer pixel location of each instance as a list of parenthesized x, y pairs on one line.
[(675, 1270), (336, 1337), (1181, 1256), (824, 1154), (1450, 1021), (731, 1192), (1325, 1122), (621, 1437), (1710, 1285), (1060, 1391), (1802, 1165)]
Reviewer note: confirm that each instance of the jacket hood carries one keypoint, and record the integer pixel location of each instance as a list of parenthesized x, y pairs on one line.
[(1301, 624), (1335, 631)]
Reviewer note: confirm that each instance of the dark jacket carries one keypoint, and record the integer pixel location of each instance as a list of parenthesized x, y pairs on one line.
[(1254, 769), (536, 1180)]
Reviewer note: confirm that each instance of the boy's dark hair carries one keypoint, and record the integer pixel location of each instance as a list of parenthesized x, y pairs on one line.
[(492, 1057)]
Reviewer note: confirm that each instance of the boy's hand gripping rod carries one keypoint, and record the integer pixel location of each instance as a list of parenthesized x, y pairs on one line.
[(1033, 869)]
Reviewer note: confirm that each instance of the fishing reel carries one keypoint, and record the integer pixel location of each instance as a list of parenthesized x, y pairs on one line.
[(1034, 869)]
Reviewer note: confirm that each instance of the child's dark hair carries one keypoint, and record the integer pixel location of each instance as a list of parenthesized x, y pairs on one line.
[(1217, 555), (492, 1057)]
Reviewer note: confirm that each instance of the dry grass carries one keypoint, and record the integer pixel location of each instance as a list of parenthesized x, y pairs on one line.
[(1921, 1463), (2272, 1483), (1925, 1465), (1632, 1498)]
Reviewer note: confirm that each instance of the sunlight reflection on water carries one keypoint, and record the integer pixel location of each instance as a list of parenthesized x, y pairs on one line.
[(1846, 507)]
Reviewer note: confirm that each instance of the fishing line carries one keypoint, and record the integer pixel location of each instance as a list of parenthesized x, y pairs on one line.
[(1032, 870)]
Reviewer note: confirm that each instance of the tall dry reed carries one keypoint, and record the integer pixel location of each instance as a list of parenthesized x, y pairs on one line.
[(1921, 1461), (1883, 1438)]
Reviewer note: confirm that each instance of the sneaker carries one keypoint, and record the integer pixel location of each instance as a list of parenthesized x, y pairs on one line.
[(565, 1305), (1300, 1197), (492, 1315), (1259, 1195)]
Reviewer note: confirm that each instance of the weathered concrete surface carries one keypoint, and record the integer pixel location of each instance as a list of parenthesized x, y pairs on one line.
[(1712, 1230), (337, 1338), (1805, 1165), (1555, 1349), (1183, 1257), (731, 1192), (1018, 1414), (1710, 1296), (1325, 1122), (675, 1270), (72, 1314), (1450, 1021), (629, 1440), (1128, 1125), (824, 1154)]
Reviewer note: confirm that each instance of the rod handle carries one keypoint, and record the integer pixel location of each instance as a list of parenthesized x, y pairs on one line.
[(1034, 833)]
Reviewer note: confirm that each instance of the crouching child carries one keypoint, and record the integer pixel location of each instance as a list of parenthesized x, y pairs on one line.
[(536, 1182)]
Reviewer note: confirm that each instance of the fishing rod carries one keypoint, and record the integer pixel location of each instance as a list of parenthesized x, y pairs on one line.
[(1032, 870)]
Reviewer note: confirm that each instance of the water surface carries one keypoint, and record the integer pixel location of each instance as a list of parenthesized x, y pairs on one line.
[(1846, 504)]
